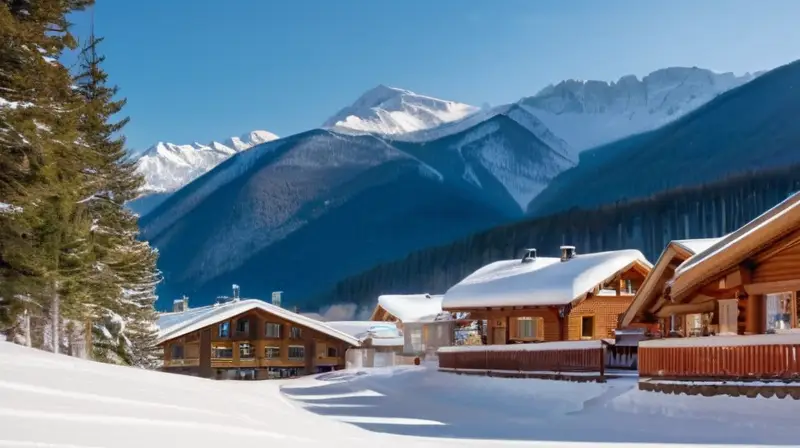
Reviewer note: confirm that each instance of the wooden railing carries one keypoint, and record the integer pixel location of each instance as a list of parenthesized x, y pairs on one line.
[(188, 362), (544, 358), (721, 357)]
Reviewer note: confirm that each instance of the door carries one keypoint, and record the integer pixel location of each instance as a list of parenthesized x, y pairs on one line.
[(498, 336)]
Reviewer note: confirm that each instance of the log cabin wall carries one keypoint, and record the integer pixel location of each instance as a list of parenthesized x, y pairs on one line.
[(604, 313)]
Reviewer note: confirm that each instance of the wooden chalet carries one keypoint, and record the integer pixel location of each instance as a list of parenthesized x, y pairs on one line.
[(541, 299), (731, 308), (249, 339), (425, 327)]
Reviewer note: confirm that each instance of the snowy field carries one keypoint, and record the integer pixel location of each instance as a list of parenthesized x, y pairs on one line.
[(58, 402)]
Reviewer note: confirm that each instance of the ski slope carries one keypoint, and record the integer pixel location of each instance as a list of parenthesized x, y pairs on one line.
[(55, 401)]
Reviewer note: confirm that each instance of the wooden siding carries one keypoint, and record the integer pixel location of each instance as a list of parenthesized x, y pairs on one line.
[(561, 360), (781, 267), (206, 338), (604, 309)]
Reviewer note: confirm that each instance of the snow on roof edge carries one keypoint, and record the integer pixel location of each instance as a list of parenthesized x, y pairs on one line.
[(228, 310)]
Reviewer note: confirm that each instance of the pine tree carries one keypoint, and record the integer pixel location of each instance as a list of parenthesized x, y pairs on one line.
[(41, 228), (122, 274)]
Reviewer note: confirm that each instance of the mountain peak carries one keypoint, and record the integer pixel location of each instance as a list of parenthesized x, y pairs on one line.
[(168, 166), (591, 113), (391, 111)]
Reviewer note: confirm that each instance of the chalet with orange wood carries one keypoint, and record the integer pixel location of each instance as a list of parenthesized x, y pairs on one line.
[(248, 339), (425, 327), (545, 299), (732, 312)]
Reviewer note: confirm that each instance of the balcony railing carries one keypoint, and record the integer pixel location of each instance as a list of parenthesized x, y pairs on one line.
[(187, 362), (548, 359), (758, 357)]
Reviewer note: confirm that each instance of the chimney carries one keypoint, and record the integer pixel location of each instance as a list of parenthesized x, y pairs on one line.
[(180, 305), (530, 255), (567, 253), (235, 292), (276, 298)]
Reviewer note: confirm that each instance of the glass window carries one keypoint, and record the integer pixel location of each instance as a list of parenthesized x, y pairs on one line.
[(297, 352), (272, 352), (221, 352), (587, 326), (225, 330), (243, 325), (527, 327), (177, 351), (296, 333), (694, 325), (273, 330), (779, 314), (332, 352), (245, 350)]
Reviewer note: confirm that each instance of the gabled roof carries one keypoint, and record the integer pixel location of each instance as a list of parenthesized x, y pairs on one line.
[(381, 334), (541, 282), (174, 325), (676, 251), (737, 246), (412, 307)]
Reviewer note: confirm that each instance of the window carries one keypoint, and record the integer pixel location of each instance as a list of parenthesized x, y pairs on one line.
[(272, 330), (296, 333), (587, 327), (245, 350), (779, 314), (272, 352), (225, 330), (297, 352), (694, 325), (177, 351), (243, 326), (332, 352), (221, 352), (527, 327)]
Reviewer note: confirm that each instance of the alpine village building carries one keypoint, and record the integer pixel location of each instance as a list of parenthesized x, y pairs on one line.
[(728, 308), (543, 299), (248, 339)]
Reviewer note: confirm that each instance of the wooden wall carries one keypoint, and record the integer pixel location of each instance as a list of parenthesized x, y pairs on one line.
[(604, 309)]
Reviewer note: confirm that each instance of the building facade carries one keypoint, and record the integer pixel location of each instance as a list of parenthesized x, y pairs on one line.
[(250, 339)]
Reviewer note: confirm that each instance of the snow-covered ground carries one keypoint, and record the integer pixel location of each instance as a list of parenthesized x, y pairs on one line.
[(55, 401)]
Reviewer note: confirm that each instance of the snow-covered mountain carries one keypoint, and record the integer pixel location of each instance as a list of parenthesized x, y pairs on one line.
[(167, 167), (587, 114), (390, 111)]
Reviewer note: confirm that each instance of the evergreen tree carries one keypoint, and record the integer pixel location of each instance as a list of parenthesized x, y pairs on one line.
[(41, 231), (122, 275)]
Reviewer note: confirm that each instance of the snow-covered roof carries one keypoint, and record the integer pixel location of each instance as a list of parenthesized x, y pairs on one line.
[(544, 281), (412, 307), (383, 334), (648, 290), (173, 325), (697, 245)]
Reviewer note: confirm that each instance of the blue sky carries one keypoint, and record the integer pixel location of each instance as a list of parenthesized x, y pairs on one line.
[(197, 70)]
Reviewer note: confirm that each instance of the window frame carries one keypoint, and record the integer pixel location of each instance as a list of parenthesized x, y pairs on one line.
[(267, 352), (250, 347), (246, 322), (593, 320), (216, 348), (296, 358), (179, 349), (299, 331), (224, 325), (269, 325)]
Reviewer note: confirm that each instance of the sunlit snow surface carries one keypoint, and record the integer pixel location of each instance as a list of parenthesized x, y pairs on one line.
[(55, 401)]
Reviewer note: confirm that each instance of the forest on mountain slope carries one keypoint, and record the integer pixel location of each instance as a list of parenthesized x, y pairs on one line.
[(648, 224)]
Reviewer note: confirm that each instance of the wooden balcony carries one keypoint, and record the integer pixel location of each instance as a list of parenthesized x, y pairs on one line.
[(573, 360), (756, 357), (722, 365), (187, 362)]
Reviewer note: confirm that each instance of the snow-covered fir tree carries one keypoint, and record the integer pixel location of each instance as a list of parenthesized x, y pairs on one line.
[(72, 271), (122, 275)]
